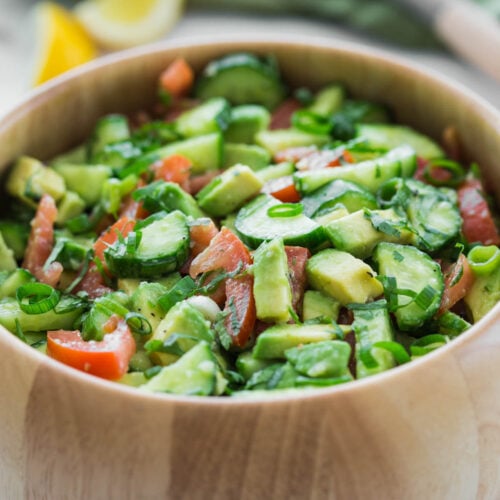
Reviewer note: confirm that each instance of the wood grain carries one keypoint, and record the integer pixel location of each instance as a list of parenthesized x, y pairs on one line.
[(430, 429)]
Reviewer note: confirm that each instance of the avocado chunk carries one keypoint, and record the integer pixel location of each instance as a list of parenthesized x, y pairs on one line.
[(251, 155), (196, 373), (229, 191), (145, 301), (184, 326), (343, 277), (360, 232), (85, 180), (273, 342), (7, 260), (247, 365), (30, 179), (245, 121), (70, 205), (318, 305), (271, 287), (484, 294)]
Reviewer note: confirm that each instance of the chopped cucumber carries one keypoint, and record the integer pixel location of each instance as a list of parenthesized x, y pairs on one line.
[(245, 122), (278, 140), (251, 155), (211, 116), (109, 129)]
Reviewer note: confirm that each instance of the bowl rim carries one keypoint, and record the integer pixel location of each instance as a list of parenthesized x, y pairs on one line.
[(56, 85)]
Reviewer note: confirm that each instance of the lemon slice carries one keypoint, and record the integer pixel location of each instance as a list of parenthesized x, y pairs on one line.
[(61, 41), (118, 24)]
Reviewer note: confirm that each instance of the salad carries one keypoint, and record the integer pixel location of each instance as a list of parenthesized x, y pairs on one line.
[(242, 237)]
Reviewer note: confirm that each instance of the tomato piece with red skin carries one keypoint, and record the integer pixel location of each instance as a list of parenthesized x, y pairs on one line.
[(108, 358), (41, 243), (178, 78), (174, 168), (93, 283), (297, 259), (459, 279), (282, 189), (198, 182), (478, 223), (282, 115)]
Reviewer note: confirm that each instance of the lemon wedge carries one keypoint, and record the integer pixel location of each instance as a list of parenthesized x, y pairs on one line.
[(118, 24), (61, 41)]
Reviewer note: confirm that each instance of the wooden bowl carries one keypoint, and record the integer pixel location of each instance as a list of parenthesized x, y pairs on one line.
[(429, 429)]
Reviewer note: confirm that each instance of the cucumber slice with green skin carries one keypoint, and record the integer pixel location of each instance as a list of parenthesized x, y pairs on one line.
[(370, 326), (328, 100), (145, 301), (211, 116), (391, 136), (484, 294), (163, 247), (242, 79), (371, 174), (433, 215), (14, 280), (194, 374), (349, 194), (414, 272), (245, 122), (251, 155), (109, 129), (62, 317), (206, 153), (255, 226), (278, 140)]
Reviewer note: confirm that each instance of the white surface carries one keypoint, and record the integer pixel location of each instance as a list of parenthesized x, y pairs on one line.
[(16, 46)]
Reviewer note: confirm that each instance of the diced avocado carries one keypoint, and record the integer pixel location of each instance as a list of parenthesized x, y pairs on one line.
[(484, 294), (7, 260), (343, 277), (319, 305), (196, 373), (273, 342), (271, 287), (29, 179), (280, 139), (85, 180), (370, 326), (250, 155), (145, 301), (10, 310), (247, 365), (128, 285), (14, 280), (133, 379), (390, 136), (328, 100), (276, 171), (140, 360), (357, 235), (229, 191), (334, 214), (188, 324), (328, 358), (15, 235), (245, 121), (272, 377), (70, 205), (212, 115)]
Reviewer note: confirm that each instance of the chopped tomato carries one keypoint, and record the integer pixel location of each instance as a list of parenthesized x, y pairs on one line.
[(282, 115), (320, 159), (458, 281), (297, 260), (174, 168), (283, 189), (178, 78), (478, 224), (133, 209), (108, 358), (439, 174), (348, 157), (198, 182), (240, 309), (122, 227), (201, 233), (41, 242), (93, 283), (294, 154), (226, 251)]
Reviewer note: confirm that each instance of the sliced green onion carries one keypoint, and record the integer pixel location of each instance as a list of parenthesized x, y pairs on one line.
[(285, 210), (484, 260), (138, 323), (456, 173), (427, 344), (37, 298), (294, 316), (19, 332), (302, 381), (132, 242), (183, 289), (425, 297), (366, 357), (81, 274), (396, 349), (310, 122), (304, 96), (151, 372)]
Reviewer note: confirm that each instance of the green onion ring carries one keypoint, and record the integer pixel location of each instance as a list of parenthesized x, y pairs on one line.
[(138, 323), (310, 122), (37, 298), (396, 349), (484, 260), (285, 210), (456, 171)]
